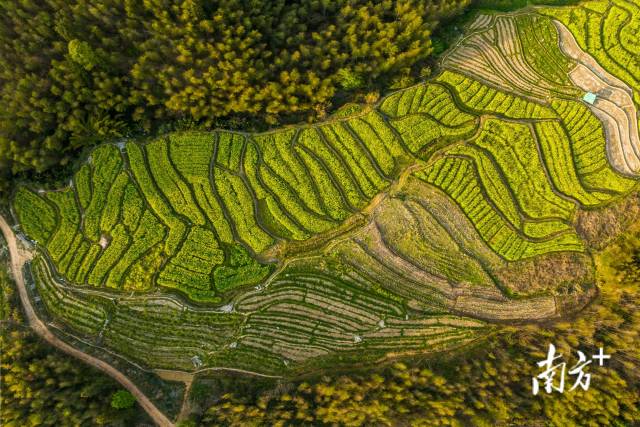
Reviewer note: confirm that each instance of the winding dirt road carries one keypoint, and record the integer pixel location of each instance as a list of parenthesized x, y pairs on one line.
[(19, 257)]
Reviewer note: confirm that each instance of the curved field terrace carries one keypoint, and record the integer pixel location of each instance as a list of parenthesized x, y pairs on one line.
[(417, 225)]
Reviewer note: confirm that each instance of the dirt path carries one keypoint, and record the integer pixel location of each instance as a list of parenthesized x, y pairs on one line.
[(614, 105), (19, 257)]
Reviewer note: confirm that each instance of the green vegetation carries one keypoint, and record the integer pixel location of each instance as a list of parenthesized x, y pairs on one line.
[(459, 178), (509, 189), (514, 150), (589, 148), (210, 215), (43, 387), (9, 300), (539, 40), (72, 76), (557, 152), (191, 268), (36, 214), (404, 227), (607, 31), (122, 399), (425, 114), (240, 270), (481, 98)]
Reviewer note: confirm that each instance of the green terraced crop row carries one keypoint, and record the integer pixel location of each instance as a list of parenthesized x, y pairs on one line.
[(540, 42), (238, 201), (481, 98), (67, 226), (115, 250), (190, 269), (430, 99), (426, 113), (494, 183), (158, 204), (37, 216), (513, 176), (607, 30), (311, 141), (106, 163), (556, 148), (170, 184), (515, 151), (356, 158), (459, 178), (111, 211), (421, 132), (304, 314), (142, 332), (588, 145), (228, 151), (193, 156), (270, 212), (81, 315), (148, 234), (153, 205), (282, 163), (82, 184), (332, 198), (240, 269)]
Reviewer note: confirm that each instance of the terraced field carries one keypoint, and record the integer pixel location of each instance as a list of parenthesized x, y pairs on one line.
[(396, 230), (602, 36)]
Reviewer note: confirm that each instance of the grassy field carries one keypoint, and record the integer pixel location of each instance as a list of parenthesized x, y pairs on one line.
[(413, 213)]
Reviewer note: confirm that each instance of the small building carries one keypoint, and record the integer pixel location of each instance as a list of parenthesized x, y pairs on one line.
[(197, 363), (589, 98)]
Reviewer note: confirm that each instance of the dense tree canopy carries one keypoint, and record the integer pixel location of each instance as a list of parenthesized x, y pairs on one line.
[(73, 72), (42, 387)]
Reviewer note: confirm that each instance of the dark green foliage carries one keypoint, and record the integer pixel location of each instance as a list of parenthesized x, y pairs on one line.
[(241, 269), (350, 80), (46, 388), (122, 399), (9, 302), (36, 215), (76, 72), (7, 295), (83, 54)]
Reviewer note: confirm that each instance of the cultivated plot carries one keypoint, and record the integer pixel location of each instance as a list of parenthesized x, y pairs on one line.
[(409, 227)]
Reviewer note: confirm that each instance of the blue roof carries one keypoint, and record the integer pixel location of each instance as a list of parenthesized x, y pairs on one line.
[(589, 97)]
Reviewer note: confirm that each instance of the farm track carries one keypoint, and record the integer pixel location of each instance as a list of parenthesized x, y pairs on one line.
[(19, 257), (615, 108)]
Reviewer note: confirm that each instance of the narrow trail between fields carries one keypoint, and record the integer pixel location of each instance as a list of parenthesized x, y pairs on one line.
[(614, 105), (19, 257)]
